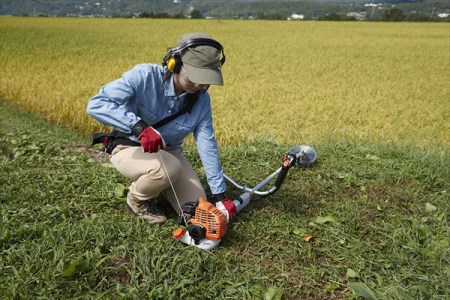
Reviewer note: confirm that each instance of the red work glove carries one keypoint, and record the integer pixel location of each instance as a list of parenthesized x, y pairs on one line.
[(151, 140), (228, 208)]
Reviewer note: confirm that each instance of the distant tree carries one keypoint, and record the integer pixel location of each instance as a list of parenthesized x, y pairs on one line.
[(196, 14), (393, 14), (161, 16), (269, 16), (145, 14), (329, 17), (179, 15), (418, 18), (336, 17)]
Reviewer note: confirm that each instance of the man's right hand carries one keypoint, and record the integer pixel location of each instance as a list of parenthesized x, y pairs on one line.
[(151, 140)]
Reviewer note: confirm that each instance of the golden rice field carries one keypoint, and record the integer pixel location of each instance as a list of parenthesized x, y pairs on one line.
[(296, 82)]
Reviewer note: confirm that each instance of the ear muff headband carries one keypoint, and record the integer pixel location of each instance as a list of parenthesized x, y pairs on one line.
[(172, 59)]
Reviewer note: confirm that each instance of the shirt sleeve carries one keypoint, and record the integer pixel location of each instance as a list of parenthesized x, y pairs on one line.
[(114, 105), (209, 153)]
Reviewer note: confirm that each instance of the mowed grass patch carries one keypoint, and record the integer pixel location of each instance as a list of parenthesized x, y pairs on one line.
[(292, 81), (366, 217)]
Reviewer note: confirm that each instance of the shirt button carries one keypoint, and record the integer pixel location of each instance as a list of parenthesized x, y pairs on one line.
[(170, 110)]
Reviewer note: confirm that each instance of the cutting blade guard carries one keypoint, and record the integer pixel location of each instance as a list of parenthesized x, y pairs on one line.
[(304, 155)]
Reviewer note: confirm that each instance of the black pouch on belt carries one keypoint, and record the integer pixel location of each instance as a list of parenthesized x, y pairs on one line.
[(111, 139)]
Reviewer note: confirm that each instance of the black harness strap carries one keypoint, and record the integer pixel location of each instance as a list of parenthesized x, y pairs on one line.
[(186, 109)]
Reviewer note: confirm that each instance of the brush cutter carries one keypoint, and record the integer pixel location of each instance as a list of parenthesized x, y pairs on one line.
[(207, 223)]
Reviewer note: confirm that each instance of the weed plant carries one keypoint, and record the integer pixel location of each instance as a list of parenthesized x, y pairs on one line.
[(367, 220), (293, 81)]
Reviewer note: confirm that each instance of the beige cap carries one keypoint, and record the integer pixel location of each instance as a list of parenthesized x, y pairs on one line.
[(201, 63)]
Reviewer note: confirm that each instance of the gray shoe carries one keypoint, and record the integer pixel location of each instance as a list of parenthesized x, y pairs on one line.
[(147, 210)]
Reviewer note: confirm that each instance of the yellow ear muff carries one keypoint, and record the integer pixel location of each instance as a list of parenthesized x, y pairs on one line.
[(171, 63)]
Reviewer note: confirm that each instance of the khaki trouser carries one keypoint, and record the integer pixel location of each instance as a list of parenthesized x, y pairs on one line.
[(150, 178)]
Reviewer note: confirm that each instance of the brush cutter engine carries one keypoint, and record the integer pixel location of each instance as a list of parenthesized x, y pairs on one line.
[(207, 223)]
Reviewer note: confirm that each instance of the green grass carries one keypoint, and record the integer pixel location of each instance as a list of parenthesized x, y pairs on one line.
[(378, 215)]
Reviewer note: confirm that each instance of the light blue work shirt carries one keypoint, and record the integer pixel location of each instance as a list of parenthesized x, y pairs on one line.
[(142, 93)]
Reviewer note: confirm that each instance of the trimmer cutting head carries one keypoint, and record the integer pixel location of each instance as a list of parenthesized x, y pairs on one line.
[(305, 155)]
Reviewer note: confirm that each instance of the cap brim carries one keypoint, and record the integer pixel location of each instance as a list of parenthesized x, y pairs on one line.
[(203, 76)]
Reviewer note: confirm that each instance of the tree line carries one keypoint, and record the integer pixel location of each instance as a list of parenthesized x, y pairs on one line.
[(401, 10)]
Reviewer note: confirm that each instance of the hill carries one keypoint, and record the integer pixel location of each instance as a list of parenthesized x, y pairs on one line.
[(217, 8)]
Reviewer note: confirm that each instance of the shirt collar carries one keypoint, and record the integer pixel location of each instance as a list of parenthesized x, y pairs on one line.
[(169, 88)]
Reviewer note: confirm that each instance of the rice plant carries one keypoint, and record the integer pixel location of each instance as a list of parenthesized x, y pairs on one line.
[(290, 81)]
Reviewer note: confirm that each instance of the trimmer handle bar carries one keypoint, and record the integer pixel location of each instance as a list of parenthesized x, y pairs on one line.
[(301, 156)]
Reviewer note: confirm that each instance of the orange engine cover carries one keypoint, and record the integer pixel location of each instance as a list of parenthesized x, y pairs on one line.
[(211, 218)]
